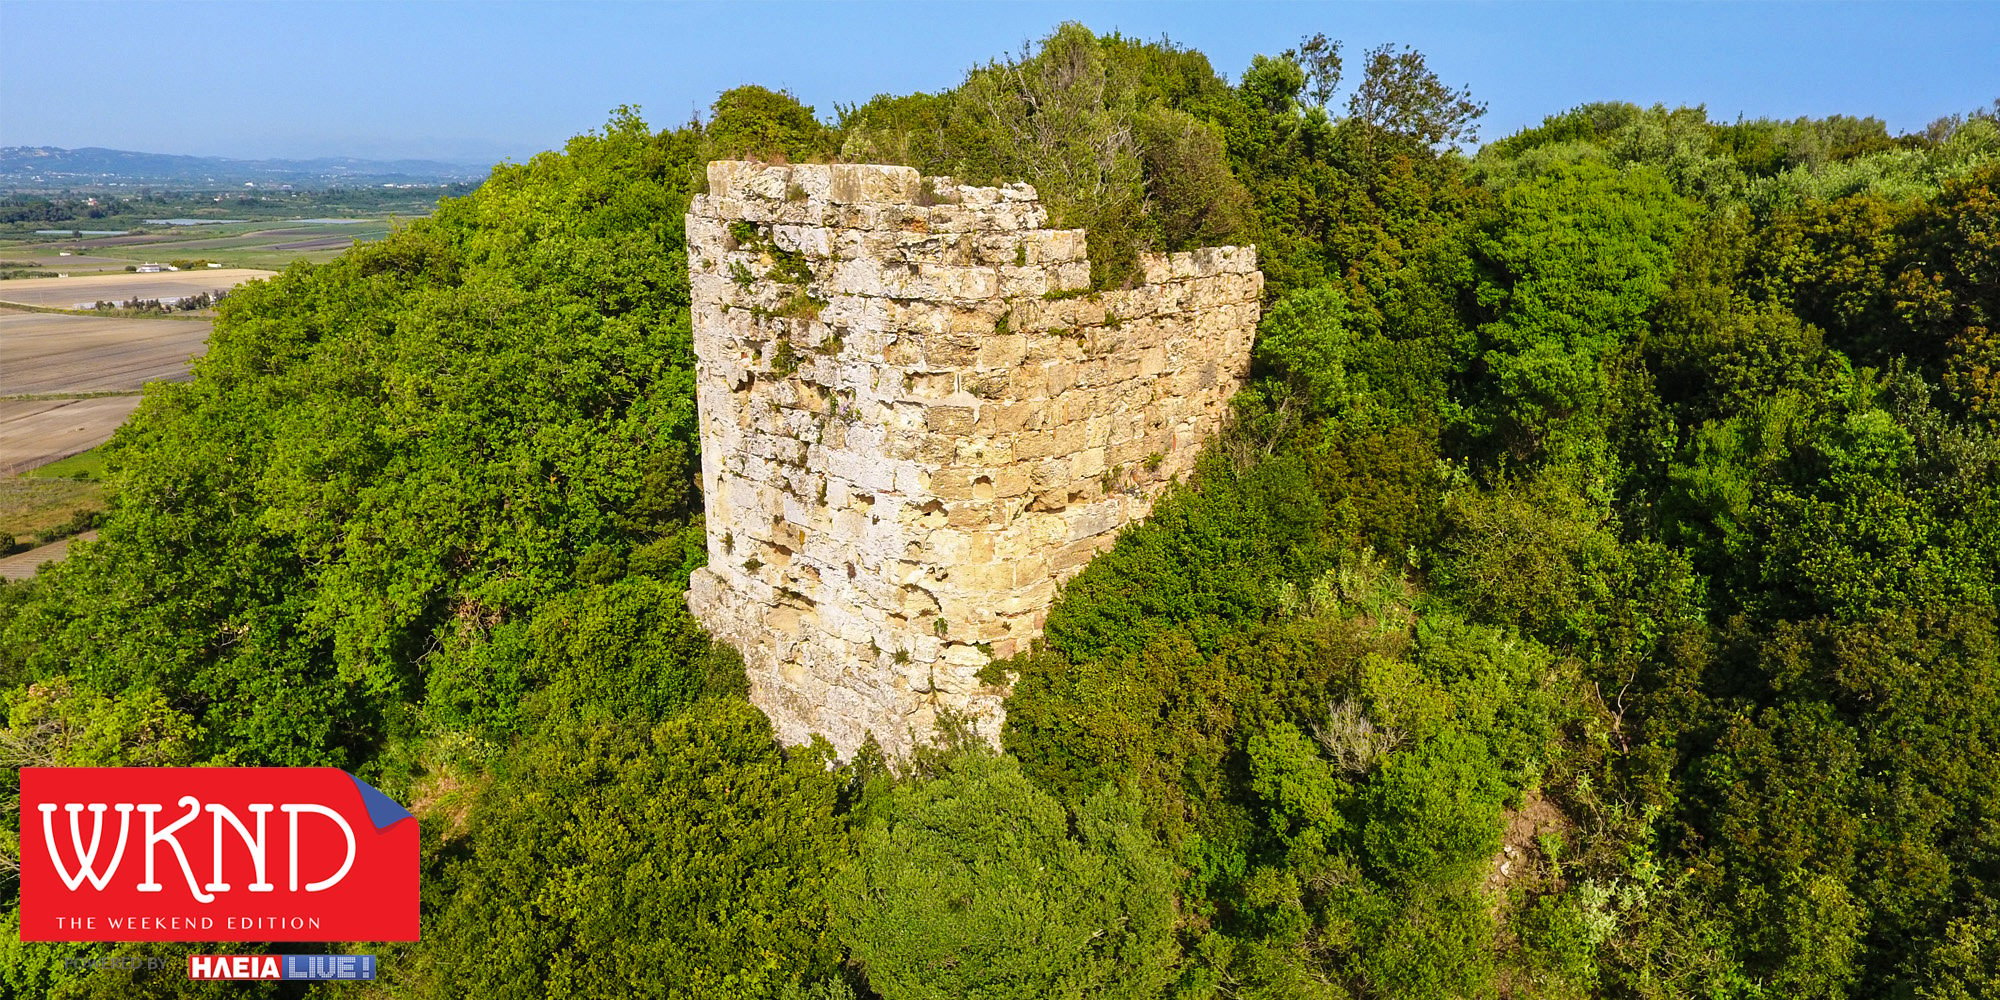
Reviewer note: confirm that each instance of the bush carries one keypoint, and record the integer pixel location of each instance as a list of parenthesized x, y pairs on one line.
[(1434, 812), (973, 885), (685, 861)]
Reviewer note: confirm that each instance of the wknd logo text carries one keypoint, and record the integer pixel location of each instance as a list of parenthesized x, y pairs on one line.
[(168, 837), (214, 854)]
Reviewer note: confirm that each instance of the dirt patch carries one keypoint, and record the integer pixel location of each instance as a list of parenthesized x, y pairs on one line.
[(442, 797), (57, 354), (23, 565), (1524, 859), (34, 433), (67, 293)]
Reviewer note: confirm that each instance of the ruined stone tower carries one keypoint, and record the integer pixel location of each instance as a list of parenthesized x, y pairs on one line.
[(915, 426)]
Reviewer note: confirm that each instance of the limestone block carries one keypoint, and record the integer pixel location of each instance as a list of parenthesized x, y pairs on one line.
[(989, 452), (1031, 280), (959, 281), (863, 183), (744, 180), (1006, 419), (1089, 312), (1072, 276), (951, 484), (1010, 481), (1061, 246), (977, 514), (813, 241), (1028, 381), (950, 351), (952, 419), (997, 249)]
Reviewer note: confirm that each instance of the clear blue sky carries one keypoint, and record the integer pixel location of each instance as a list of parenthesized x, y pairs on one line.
[(477, 82)]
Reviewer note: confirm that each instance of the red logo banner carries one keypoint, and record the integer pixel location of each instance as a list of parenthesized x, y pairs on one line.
[(214, 854)]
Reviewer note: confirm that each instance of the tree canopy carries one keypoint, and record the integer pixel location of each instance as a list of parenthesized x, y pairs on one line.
[(1594, 593)]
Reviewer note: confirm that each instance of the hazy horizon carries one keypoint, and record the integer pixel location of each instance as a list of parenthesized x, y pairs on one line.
[(442, 161)]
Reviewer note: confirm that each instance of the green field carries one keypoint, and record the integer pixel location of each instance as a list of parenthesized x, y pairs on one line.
[(270, 245), (34, 504), (48, 501), (86, 466)]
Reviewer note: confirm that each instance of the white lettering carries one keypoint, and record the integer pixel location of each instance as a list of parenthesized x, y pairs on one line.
[(193, 807), (295, 808), (86, 860), (256, 845)]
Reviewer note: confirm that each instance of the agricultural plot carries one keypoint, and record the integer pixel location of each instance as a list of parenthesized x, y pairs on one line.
[(35, 432), (80, 291), (52, 260), (53, 354), (268, 244), (36, 503), (67, 382), (23, 565)]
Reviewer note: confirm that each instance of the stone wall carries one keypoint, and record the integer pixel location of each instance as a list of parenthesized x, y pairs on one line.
[(915, 427)]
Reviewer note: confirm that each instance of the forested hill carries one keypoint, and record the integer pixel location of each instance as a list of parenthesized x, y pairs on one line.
[(1595, 595)]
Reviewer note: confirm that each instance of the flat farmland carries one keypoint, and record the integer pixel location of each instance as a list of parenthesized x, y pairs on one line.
[(67, 382), (35, 432), (268, 244), (52, 260), (119, 286), (55, 354)]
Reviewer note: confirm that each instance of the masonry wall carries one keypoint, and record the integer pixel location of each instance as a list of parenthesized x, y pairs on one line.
[(913, 432)]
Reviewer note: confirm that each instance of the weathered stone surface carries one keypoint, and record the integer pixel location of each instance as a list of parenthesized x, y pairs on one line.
[(907, 448)]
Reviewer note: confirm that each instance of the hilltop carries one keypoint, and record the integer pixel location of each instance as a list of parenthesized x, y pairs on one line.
[(1591, 593)]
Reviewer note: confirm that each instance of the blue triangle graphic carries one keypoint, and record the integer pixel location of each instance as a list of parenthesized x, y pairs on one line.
[(383, 811)]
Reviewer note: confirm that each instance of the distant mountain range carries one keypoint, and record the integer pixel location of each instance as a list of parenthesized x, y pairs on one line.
[(54, 167)]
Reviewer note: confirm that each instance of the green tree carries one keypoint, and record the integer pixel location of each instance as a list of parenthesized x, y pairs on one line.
[(1570, 265), (689, 859), (752, 122), (977, 884), (1108, 130), (1400, 95)]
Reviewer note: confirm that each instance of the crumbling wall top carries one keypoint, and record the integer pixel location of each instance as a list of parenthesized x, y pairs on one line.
[(850, 184)]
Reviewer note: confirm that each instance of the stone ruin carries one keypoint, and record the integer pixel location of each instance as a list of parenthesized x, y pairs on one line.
[(917, 423)]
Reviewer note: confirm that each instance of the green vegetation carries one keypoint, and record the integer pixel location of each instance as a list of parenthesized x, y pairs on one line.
[(975, 882), (1102, 127), (1594, 596), (87, 465), (257, 229), (55, 501)]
